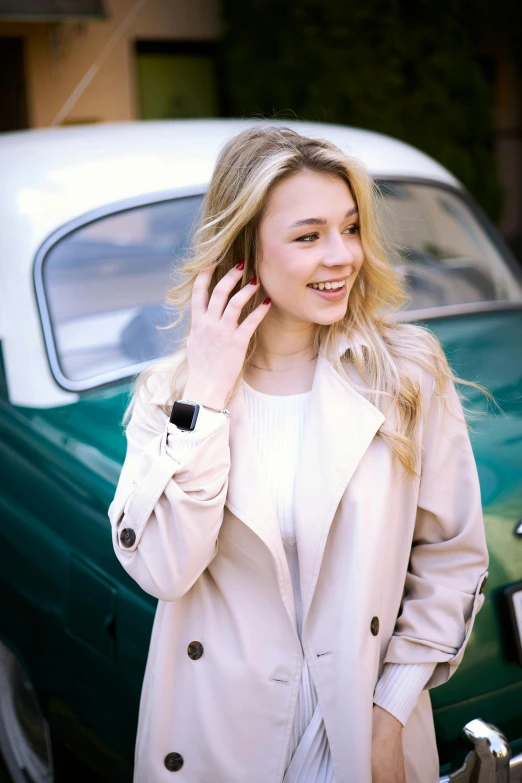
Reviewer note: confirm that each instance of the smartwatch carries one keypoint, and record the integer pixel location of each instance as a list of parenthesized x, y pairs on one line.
[(184, 413)]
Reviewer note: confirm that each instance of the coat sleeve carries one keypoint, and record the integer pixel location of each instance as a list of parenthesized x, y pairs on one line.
[(166, 515), (448, 562)]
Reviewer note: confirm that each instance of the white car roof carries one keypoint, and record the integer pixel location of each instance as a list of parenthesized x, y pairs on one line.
[(51, 177), (54, 175)]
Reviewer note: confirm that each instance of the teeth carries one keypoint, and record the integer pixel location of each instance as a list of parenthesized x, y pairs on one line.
[(328, 286)]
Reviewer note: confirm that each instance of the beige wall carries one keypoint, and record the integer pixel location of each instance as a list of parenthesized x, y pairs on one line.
[(58, 56)]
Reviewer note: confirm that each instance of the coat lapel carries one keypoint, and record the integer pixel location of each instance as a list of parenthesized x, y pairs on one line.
[(249, 497), (341, 423)]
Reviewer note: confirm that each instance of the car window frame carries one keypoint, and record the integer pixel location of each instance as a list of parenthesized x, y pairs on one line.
[(123, 374)]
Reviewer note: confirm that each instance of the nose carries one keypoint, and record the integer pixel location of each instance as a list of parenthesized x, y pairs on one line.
[(338, 252)]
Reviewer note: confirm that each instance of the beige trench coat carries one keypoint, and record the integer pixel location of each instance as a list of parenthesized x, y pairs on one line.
[(410, 553)]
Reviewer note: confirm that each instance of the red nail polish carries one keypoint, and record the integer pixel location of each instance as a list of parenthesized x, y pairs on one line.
[(241, 265), (267, 300), (253, 281)]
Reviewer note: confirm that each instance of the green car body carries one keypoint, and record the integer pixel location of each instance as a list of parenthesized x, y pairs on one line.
[(80, 627)]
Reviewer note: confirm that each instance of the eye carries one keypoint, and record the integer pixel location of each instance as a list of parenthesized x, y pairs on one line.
[(308, 237), (351, 230)]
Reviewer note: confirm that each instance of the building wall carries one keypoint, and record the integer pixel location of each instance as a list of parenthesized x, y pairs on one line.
[(59, 56)]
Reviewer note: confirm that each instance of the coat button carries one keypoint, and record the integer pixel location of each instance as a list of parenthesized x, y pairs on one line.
[(195, 650), (374, 626), (127, 536), (173, 761), (483, 585)]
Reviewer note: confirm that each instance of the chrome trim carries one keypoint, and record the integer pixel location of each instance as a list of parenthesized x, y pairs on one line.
[(480, 729), (481, 732), (453, 777), (468, 308), (147, 199), (515, 769)]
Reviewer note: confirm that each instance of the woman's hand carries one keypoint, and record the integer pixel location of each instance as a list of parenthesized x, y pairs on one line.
[(217, 346), (387, 752)]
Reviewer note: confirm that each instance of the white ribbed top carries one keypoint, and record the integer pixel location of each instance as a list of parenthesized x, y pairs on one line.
[(278, 424)]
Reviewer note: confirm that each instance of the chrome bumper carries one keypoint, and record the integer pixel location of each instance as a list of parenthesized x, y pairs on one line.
[(490, 758)]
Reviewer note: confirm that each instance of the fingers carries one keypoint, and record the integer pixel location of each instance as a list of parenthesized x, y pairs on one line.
[(253, 320), (199, 298), (238, 301), (221, 292)]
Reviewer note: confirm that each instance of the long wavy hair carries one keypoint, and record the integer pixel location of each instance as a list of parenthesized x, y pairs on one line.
[(381, 350)]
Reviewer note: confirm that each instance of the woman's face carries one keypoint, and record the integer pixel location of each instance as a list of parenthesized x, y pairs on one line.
[(310, 247)]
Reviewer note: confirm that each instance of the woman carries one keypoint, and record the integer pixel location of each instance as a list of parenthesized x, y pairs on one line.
[(315, 538)]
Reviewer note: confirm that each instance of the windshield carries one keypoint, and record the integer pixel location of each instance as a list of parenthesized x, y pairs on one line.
[(104, 283), (442, 251)]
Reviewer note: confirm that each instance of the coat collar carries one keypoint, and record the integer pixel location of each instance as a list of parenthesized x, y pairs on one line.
[(340, 425)]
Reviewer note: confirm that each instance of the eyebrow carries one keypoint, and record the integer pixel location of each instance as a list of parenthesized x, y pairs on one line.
[(320, 221)]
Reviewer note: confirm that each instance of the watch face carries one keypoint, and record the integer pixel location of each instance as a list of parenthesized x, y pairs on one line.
[(184, 415)]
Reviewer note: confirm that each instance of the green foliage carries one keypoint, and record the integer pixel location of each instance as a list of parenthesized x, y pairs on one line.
[(406, 68)]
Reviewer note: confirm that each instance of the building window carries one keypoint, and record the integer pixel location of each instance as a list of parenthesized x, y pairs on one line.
[(177, 79)]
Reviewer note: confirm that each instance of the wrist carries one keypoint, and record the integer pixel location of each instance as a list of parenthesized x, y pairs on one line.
[(384, 722), (205, 394)]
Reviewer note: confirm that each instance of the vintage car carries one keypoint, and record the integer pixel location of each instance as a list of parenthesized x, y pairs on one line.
[(93, 222)]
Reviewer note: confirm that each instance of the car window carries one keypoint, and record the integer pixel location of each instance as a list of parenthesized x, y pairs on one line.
[(105, 287), (442, 251)]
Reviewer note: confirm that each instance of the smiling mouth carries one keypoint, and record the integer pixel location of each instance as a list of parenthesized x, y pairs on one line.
[(333, 286)]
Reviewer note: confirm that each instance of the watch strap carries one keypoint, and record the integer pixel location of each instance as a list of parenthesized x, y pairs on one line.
[(226, 411)]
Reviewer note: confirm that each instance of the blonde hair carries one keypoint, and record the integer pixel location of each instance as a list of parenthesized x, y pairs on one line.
[(381, 350)]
